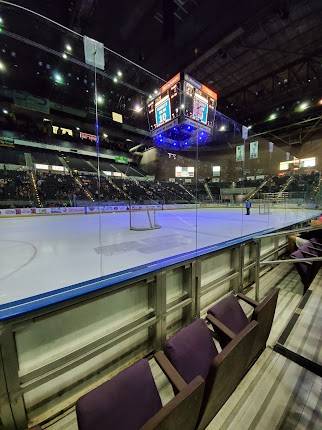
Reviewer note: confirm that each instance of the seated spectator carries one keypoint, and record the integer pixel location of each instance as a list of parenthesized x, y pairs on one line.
[(295, 241)]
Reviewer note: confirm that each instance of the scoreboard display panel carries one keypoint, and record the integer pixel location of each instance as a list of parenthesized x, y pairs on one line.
[(200, 101), (200, 108), (183, 98), (162, 111), (165, 106)]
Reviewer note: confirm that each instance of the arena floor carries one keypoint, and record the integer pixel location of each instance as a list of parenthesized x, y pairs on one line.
[(42, 254)]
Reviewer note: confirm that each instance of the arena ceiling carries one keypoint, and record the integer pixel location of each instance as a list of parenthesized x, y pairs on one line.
[(263, 57)]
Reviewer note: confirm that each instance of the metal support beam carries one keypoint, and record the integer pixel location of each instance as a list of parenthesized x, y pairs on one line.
[(11, 368)]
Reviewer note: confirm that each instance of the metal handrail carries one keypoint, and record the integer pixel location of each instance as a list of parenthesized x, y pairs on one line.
[(292, 260), (285, 232), (257, 240)]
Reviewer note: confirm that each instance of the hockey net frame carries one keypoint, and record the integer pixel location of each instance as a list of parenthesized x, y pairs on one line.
[(150, 217)]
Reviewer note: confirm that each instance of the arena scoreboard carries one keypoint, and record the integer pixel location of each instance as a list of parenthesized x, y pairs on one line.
[(181, 107)]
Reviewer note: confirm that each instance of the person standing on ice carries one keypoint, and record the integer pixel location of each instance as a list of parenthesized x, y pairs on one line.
[(248, 205)]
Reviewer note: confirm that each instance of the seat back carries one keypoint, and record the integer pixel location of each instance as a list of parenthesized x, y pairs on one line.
[(264, 315), (191, 350), (227, 370), (182, 412), (229, 312), (125, 402)]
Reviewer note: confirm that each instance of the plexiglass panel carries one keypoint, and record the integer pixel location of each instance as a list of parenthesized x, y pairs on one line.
[(87, 188), (106, 167)]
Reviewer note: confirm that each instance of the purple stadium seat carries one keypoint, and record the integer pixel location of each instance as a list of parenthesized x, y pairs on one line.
[(130, 401), (191, 352), (229, 313), (194, 341)]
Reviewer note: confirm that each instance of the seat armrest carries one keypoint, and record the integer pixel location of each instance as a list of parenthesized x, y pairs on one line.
[(171, 372), (247, 299), (220, 326)]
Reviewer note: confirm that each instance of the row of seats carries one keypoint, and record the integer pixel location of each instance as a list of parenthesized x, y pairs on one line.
[(15, 185), (202, 375), (308, 269)]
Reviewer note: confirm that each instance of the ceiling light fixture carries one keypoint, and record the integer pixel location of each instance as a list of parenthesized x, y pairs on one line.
[(138, 108)]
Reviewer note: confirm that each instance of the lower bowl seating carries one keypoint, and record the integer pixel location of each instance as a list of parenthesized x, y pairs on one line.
[(228, 317), (192, 352)]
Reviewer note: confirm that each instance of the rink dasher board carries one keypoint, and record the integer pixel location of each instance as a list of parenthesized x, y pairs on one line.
[(88, 210)]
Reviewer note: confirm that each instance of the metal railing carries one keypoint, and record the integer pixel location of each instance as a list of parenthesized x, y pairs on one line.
[(259, 262)]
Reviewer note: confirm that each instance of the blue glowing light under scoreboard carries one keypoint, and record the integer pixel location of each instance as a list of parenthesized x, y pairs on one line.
[(181, 135)]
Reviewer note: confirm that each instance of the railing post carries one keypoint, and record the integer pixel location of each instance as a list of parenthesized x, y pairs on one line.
[(10, 368), (161, 310), (257, 267), (241, 263), (197, 286), (6, 413)]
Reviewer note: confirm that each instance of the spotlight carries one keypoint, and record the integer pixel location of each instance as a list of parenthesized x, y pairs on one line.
[(115, 79), (1, 20), (182, 106), (100, 99), (138, 108), (272, 116), (222, 128), (64, 56), (320, 102), (303, 106), (58, 78), (119, 73), (250, 127), (155, 92), (5, 111), (77, 128), (68, 47), (2, 67), (105, 135)]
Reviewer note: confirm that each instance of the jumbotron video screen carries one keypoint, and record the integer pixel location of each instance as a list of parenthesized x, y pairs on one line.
[(182, 96)]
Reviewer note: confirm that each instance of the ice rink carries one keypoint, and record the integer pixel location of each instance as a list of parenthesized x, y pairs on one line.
[(42, 254)]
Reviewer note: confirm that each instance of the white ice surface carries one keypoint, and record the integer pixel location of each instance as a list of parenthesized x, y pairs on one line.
[(41, 254)]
